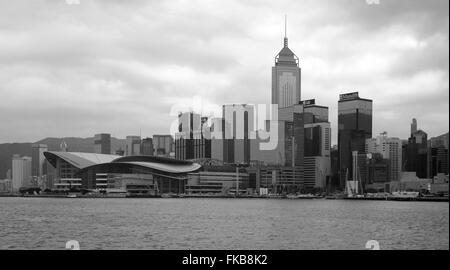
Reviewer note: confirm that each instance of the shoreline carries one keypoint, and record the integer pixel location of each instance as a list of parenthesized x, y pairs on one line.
[(405, 199)]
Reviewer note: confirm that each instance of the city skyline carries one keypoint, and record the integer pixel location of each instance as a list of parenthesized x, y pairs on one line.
[(56, 87)]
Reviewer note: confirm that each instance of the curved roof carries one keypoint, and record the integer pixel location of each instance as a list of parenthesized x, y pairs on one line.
[(160, 163), (79, 160), (170, 168), (152, 159), (86, 161)]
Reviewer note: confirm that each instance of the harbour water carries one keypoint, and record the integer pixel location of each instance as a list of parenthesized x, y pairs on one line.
[(195, 223)]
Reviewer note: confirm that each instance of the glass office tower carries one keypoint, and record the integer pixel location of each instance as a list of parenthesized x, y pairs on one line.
[(354, 127)]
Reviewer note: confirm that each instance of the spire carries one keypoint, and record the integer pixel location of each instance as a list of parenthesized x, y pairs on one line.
[(286, 56), (285, 32)]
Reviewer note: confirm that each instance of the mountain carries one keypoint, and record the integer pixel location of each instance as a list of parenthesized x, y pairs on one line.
[(7, 150)]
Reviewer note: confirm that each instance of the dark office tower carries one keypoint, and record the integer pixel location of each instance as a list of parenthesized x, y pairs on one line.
[(438, 156), (335, 183), (102, 143), (38, 159), (354, 127), (296, 135), (147, 147), (413, 126), (417, 153), (319, 113), (286, 78), (317, 139), (190, 141)]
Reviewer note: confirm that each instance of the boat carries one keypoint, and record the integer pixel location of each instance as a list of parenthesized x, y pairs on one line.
[(405, 194), (71, 196), (302, 196)]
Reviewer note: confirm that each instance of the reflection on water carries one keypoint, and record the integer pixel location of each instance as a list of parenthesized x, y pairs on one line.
[(45, 223)]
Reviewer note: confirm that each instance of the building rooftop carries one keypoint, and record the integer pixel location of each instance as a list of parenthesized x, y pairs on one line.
[(85, 161)]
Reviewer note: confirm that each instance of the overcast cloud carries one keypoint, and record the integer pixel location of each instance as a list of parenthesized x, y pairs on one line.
[(119, 66)]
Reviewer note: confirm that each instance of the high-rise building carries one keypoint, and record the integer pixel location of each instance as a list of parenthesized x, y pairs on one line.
[(21, 172), (416, 153), (163, 145), (286, 78), (190, 141), (317, 145), (378, 169), (354, 127), (293, 117), (38, 168), (292, 120), (413, 126), (50, 175), (147, 147), (438, 155), (133, 146), (286, 93), (237, 127), (391, 150), (319, 113), (38, 159), (334, 155), (102, 143)]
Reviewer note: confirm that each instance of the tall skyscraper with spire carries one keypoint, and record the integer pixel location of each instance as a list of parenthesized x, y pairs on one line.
[(286, 77)]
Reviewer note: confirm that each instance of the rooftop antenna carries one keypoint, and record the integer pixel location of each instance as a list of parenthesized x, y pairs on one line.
[(285, 31), (285, 25)]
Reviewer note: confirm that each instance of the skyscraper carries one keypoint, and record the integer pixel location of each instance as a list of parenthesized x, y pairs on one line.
[(21, 172), (414, 126), (133, 146), (286, 93), (293, 121), (417, 153), (438, 155), (102, 143), (317, 145), (147, 147), (237, 126), (390, 149), (286, 78), (190, 142), (38, 159), (163, 145), (354, 127)]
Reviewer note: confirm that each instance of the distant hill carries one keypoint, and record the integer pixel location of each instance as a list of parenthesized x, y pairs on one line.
[(7, 150)]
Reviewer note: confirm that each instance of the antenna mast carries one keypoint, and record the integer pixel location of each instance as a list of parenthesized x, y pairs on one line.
[(285, 31), (285, 25)]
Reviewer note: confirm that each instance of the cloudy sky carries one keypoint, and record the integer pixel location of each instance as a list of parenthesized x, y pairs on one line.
[(115, 66)]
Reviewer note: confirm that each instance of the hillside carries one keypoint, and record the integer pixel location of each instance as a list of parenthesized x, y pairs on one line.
[(7, 150)]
